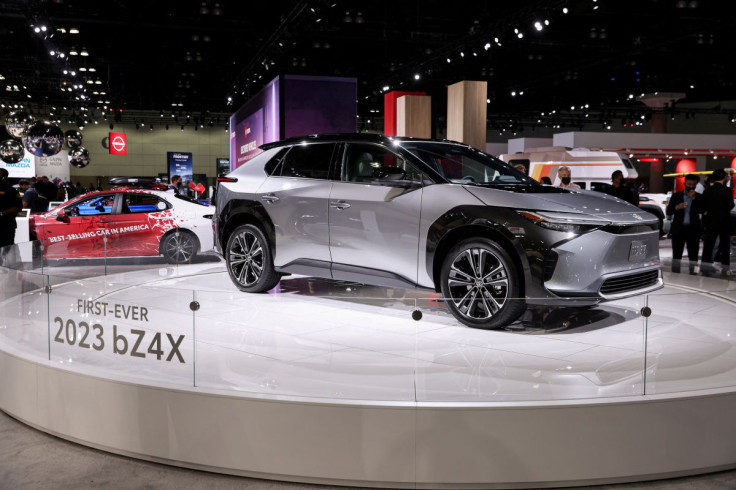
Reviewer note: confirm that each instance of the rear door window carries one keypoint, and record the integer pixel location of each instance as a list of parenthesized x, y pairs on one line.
[(309, 161)]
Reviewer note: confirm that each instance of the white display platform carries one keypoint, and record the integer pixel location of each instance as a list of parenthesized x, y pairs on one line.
[(335, 383)]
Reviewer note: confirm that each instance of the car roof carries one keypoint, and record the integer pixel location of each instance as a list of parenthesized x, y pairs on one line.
[(339, 137), (129, 190)]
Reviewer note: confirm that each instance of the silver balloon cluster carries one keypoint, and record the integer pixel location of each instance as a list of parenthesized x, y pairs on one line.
[(17, 124), (11, 151), (79, 157), (73, 138), (44, 139), (40, 138)]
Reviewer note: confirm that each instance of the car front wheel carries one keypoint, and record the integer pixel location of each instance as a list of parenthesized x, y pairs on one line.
[(480, 284), (249, 260)]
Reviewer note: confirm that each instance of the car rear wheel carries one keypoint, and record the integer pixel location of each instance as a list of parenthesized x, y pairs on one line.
[(249, 260), (480, 284), (179, 247)]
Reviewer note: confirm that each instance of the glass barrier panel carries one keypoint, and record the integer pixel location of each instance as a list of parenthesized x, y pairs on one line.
[(22, 256), (322, 338), (306, 338), (691, 334), (24, 314), (133, 333), (562, 352)]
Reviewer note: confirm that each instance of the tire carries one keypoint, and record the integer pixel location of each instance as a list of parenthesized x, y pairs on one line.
[(480, 284), (179, 247), (250, 261)]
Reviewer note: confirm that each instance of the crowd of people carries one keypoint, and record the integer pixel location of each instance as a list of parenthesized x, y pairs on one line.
[(705, 215), (698, 213)]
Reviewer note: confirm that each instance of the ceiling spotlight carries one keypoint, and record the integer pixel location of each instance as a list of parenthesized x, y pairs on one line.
[(565, 10), (73, 30), (487, 46), (538, 26), (417, 76), (520, 35), (83, 52), (73, 52)]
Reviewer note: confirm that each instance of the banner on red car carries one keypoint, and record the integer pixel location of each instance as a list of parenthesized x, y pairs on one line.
[(118, 144)]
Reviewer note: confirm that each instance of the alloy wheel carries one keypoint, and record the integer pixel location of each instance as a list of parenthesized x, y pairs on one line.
[(180, 248), (478, 283), (246, 258)]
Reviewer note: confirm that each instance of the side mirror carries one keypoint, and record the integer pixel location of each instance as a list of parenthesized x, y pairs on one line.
[(61, 216)]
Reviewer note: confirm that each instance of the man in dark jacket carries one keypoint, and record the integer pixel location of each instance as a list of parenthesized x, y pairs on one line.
[(621, 190), (10, 205), (718, 202), (684, 209)]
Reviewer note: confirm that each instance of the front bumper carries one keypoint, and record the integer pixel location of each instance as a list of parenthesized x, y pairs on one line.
[(603, 266)]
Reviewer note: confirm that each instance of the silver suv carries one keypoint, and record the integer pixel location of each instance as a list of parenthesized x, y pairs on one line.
[(403, 212)]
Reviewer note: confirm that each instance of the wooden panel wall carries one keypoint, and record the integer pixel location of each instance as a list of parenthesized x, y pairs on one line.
[(466, 113), (414, 116)]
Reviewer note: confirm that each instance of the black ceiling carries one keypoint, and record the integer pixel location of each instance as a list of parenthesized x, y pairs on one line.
[(191, 56)]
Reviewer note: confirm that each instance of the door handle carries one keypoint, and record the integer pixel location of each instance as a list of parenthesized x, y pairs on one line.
[(270, 198), (339, 205)]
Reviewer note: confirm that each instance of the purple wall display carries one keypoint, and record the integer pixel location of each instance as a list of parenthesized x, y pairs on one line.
[(261, 114), (314, 105), (291, 105)]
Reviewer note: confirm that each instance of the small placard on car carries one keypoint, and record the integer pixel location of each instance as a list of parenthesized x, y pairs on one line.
[(637, 251)]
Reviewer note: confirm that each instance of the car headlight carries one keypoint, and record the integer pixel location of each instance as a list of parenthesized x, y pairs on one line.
[(565, 222)]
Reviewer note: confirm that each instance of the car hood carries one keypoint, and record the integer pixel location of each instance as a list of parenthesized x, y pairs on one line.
[(586, 202)]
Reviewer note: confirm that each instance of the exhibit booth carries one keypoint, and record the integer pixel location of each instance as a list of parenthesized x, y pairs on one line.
[(340, 383)]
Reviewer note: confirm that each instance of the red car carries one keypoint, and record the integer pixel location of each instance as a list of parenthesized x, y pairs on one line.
[(125, 222)]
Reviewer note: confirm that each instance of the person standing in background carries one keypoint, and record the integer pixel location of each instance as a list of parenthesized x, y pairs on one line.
[(621, 190), (30, 195), (684, 209), (175, 184), (717, 205), (10, 206), (565, 175)]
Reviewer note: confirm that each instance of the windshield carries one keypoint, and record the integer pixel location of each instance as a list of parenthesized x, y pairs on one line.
[(465, 165)]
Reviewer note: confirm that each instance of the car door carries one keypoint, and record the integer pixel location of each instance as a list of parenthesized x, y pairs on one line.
[(138, 223), (78, 229), (374, 216), (295, 197)]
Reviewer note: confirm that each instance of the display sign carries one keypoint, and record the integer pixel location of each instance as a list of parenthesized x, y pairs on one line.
[(118, 144), (55, 167), (246, 137), (180, 163), (223, 166), (262, 110), (26, 168)]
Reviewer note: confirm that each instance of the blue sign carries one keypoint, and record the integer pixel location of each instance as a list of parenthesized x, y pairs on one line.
[(180, 164)]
